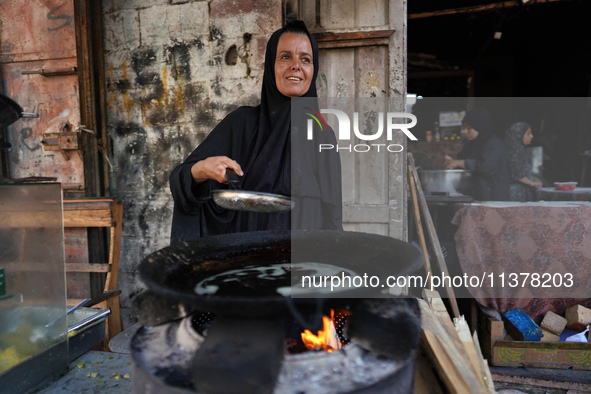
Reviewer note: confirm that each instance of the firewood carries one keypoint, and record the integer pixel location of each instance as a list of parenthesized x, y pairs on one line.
[(553, 323), (448, 354), (578, 317)]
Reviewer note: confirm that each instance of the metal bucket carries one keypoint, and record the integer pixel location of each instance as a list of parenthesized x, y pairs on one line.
[(445, 181)]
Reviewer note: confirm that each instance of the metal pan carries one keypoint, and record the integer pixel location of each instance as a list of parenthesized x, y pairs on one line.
[(10, 112), (242, 200)]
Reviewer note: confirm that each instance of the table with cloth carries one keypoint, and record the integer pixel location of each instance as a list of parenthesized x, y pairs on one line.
[(500, 239)]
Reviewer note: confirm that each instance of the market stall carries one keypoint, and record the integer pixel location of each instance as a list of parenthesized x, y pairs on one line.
[(534, 256)]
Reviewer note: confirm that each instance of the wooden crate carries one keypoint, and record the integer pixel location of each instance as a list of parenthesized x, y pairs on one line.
[(556, 355)]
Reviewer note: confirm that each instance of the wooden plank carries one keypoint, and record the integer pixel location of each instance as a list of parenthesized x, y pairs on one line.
[(72, 205), (466, 350), (357, 35), (426, 381), (433, 237), (491, 330), (100, 212), (439, 310), (447, 354), (88, 218), (85, 267), (448, 372), (477, 364), (418, 223), (490, 385), (353, 43)]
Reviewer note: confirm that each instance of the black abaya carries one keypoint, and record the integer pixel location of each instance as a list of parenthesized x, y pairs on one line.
[(486, 157)]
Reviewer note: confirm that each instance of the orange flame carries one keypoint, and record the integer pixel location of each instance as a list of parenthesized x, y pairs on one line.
[(326, 339)]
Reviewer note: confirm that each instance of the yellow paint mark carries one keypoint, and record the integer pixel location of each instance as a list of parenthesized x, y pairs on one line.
[(509, 355), (164, 99), (372, 79), (180, 95), (127, 101), (580, 358)]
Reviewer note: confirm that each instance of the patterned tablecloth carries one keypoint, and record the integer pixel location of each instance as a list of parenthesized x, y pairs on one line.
[(526, 251)]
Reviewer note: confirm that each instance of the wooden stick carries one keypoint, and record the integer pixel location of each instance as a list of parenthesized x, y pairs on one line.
[(433, 237), (448, 372), (453, 337), (464, 334), (447, 354), (488, 380), (419, 225)]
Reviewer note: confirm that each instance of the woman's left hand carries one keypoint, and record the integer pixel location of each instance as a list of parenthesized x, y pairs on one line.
[(452, 163), (536, 184)]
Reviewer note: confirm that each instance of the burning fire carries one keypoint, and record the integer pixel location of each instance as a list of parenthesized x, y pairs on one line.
[(326, 339)]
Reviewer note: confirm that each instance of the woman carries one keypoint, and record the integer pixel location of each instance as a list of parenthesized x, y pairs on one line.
[(485, 155), (522, 182), (256, 143)]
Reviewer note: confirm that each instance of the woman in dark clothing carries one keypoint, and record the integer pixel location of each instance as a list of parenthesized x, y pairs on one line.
[(256, 142), (522, 182), (485, 155)]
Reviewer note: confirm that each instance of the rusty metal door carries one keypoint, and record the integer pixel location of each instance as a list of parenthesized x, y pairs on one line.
[(41, 69), (363, 51), (50, 63)]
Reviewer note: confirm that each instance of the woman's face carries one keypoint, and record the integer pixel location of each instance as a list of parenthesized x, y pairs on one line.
[(469, 132), (294, 66), (527, 137)]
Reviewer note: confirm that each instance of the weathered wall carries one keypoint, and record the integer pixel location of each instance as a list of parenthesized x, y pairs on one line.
[(172, 75)]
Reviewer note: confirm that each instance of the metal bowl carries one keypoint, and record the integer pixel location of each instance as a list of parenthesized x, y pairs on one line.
[(445, 181)]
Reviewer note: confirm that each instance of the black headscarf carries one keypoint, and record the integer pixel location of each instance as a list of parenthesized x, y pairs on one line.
[(259, 139), (479, 120)]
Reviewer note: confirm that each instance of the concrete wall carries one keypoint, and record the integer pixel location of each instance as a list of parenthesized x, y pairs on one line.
[(174, 69)]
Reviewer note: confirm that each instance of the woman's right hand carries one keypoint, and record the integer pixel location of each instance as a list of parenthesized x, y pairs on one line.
[(214, 168)]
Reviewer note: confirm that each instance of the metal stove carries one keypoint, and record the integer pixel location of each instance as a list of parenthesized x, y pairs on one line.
[(242, 349)]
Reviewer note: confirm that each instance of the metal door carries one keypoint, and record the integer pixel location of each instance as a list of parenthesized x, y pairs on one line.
[(49, 66), (43, 63)]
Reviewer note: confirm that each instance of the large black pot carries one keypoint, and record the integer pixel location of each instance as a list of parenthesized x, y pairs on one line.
[(174, 271)]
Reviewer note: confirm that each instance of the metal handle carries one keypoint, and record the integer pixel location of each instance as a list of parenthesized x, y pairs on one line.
[(78, 305), (90, 320), (233, 179), (52, 73)]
